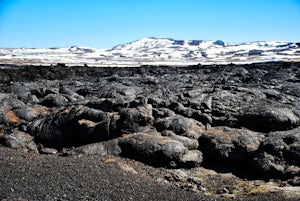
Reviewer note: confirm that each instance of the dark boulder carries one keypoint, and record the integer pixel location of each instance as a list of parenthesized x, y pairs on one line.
[(72, 126), (70, 95), (8, 117), (133, 120), (292, 89), (43, 91), (279, 155), (29, 113), (54, 100), (189, 143), (162, 113), (270, 166), (107, 148), (229, 145), (158, 151), (9, 101), (268, 118), (19, 140), (181, 126)]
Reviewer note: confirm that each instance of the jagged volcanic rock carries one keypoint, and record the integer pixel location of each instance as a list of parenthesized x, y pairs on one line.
[(236, 116)]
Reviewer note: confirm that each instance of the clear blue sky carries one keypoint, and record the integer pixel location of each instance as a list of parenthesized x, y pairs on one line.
[(106, 23)]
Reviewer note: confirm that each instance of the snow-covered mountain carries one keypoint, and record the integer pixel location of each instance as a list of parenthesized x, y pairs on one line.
[(157, 51)]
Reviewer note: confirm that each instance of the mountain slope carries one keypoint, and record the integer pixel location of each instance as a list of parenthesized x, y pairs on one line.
[(157, 51)]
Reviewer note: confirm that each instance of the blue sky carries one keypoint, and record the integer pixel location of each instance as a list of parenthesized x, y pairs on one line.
[(106, 23)]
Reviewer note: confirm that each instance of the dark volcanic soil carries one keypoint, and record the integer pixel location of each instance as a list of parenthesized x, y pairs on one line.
[(76, 130), (31, 177), (81, 178)]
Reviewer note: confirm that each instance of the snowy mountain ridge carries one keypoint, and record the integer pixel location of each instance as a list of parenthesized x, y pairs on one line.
[(146, 44), (157, 51)]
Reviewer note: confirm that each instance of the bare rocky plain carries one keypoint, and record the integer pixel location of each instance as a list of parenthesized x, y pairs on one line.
[(218, 132)]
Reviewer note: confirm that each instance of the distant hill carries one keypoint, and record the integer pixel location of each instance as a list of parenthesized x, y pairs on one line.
[(160, 51)]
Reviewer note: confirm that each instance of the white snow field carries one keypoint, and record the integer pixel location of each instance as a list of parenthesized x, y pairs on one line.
[(157, 51)]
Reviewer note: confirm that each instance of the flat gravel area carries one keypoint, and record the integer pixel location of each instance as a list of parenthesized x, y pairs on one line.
[(25, 176), (34, 177)]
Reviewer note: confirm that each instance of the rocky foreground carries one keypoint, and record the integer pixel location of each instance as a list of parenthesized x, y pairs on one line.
[(222, 130)]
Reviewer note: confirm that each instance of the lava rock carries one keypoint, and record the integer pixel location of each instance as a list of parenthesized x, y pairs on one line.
[(72, 126), (133, 120), (268, 118), (8, 117), (229, 145), (107, 148), (279, 155), (191, 144), (29, 113), (54, 100), (70, 95), (237, 116), (162, 113), (19, 140), (9, 101), (158, 150), (193, 158), (181, 126)]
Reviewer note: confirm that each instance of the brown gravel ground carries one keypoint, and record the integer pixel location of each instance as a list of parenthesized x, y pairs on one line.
[(27, 176)]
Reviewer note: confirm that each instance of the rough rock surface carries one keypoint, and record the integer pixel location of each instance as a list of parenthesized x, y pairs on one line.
[(158, 150), (19, 140), (232, 116)]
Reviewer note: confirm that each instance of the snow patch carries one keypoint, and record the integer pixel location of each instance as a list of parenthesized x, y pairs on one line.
[(156, 51)]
